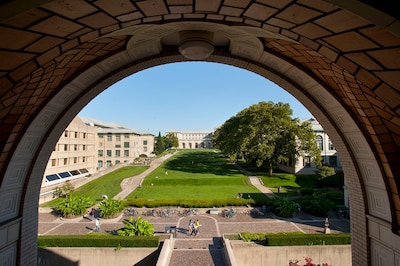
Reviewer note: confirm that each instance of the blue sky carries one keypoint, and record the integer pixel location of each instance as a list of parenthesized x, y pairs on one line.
[(185, 96)]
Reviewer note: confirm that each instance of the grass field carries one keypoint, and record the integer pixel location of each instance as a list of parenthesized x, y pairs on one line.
[(108, 184), (197, 175)]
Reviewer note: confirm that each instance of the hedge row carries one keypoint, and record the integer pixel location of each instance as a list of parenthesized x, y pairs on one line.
[(189, 203), (93, 240), (297, 239)]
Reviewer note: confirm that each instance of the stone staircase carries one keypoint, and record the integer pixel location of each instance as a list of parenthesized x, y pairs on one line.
[(198, 251)]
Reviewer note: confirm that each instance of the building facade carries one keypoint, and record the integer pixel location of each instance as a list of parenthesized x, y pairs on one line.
[(303, 165), (117, 144), (193, 139), (89, 145), (74, 155)]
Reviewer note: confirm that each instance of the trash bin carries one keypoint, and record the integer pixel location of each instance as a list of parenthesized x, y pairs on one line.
[(173, 231)]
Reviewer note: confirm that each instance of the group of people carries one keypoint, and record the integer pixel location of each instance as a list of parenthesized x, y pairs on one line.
[(194, 227)]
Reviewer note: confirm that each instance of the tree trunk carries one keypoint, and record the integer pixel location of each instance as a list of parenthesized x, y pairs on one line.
[(271, 173)]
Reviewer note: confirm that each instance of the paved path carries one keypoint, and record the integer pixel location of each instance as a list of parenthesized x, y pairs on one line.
[(256, 181), (131, 183)]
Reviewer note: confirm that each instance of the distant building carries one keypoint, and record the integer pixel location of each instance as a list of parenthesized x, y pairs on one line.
[(303, 165), (117, 144), (193, 139), (89, 145), (74, 155)]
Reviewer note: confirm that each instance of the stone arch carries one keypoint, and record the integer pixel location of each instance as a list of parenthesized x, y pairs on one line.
[(57, 56)]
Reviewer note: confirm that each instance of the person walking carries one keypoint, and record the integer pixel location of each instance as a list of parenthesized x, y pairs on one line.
[(97, 229), (197, 223), (190, 226), (194, 229)]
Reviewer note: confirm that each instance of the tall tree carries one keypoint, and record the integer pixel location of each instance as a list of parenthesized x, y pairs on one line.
[(266, 135), (159, 145)]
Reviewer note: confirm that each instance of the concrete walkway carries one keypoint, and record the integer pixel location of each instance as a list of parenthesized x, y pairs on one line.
[(131, 183), (256, 181)]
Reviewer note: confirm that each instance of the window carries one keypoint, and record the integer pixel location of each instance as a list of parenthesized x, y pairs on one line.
[(118, 146), (144, 149), (117, 162), (65, 161), (84, 135), (66, 133), (320, 143), (100, 136), (52, 177), (65, 147), (126, 136), (126, 153), (117, 153), (75, 159), (307, 161), (83, 159), (108, 152), (76, 135), (109, 137), (331, 147), (64, 174), (75, 147), (100, 153), (126, 144), (99, 164), (108, 164), (144, 142), (118, 138), (100, 144), (84, 147), (53, 162)]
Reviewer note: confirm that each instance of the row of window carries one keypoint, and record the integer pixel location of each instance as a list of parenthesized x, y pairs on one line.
[(71, 147), (118, 138), (330, 160), (67, 174), (68, 161), (320, 143), (126, 145), (100, 163), (117, 153), (75, 134)]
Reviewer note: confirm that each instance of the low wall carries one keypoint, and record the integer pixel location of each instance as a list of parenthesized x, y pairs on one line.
[(254, 254), (97, 256)]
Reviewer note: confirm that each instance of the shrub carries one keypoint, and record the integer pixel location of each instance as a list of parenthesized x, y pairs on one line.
[(73, 206), (306, 191), (97, 240), (138, 227), (297, 239), (110, 207), (282, 206), (316, 204), (185, 203)]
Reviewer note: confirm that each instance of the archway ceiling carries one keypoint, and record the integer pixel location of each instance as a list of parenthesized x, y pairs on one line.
[(44, 47)]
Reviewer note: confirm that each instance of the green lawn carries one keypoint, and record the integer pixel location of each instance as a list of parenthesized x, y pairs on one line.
[(108, 184), (197, 175)]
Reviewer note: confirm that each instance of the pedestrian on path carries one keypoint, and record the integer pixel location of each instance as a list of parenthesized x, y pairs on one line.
[(190, 226), (197, 226), (97, 229)]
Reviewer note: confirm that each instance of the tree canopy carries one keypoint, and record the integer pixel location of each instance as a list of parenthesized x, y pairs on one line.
[(163, 143), (266, 134)]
